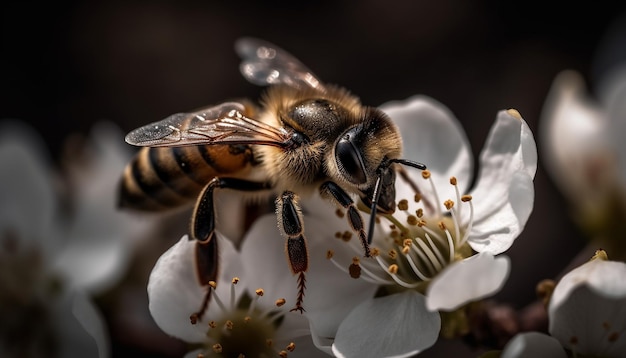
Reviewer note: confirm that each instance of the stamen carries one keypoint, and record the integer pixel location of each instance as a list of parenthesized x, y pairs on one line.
[(457, 229), (216, 297), (448, 204), (369, 277), (434, 191), (392, 272), (437, 253), (470, 223), (234, 281), (432, 260), (416, 270), (259, 293)]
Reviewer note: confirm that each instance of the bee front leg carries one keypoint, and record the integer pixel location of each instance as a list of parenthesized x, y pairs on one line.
[(291, 225), (202, 230), (332, 190)]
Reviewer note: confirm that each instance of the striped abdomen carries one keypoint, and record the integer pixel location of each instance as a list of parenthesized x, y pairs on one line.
[(168, 177)]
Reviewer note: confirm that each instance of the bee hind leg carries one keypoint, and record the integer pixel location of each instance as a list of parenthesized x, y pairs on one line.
[(334, 191), (290, 224), (202, 230)]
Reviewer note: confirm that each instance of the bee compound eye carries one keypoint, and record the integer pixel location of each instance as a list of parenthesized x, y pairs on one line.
[(350, 160)]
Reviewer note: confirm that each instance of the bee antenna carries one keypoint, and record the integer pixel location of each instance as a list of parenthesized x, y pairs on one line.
[(409, 163)]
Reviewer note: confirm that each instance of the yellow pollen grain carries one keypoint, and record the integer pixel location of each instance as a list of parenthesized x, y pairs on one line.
[(426, 174), (235, 280), (259, 292), (441, 225), (213, 284), (417, 197), (514, 113), (411, 220), (453, 180), (280, 302), (393, 254), (419, 212), (393, 269), (212, 324), (229, 325), (340, 213), (217, 348), (330, 254), (291, 346), (466, 198), (282, 354), (600, 254), (448, 204), (403, 205)]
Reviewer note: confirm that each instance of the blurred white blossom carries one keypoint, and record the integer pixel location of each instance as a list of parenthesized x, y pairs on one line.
[(587, 315), (51, 262)]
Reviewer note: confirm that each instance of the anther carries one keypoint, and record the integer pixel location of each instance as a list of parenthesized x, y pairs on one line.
[(374, 251), (291, 346), (393, 254), (466, 198), (282, 354), (417, 197), (213, 284), (269, 342), (403, 205), (422, 223), (600, 254), (346, 236), (407, 242), (355, 268), (212, 324), (217, 348), (247, 319), (329, 254), (453, 180), (340, 213), (411, 220), (613, 337), (235, 280), (279, 302), (448, 204), (229, 325), (406, 249), (442, 225), (393, 269), (259, 292), (419, 212), (426, 174), (514, 113)]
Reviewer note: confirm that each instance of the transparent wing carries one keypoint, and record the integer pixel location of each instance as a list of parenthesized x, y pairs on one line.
[(221, 124), (264, 63)]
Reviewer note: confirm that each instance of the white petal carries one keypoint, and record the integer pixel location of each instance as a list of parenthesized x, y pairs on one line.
[(330, 293), (392, 326), (588, 306), (93, 265), (80, 328), (174, 292), (572, 134), (504, 192), (27, 198), (468, 280), (433, 136), (531, 345)]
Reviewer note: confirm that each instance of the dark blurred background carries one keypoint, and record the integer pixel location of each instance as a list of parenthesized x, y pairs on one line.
[(65, 65)]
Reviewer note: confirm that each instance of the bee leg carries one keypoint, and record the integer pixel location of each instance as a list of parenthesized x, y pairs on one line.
[(331, 189), (290, 224), (202, 230)]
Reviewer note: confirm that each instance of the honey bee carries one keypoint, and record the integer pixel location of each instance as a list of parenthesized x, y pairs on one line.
[(305, 136)]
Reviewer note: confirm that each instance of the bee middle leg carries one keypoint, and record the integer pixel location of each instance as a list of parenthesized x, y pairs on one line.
[(291, 225), (331, 189), (202, 231)]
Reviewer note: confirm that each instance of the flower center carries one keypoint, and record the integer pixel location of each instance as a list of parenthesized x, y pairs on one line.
[(26, 295), (244, 330), (418, 241)]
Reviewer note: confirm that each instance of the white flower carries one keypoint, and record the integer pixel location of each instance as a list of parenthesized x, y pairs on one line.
[(242, 317), (587, 314), (50, 264), (502, 201), (582, 140)]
